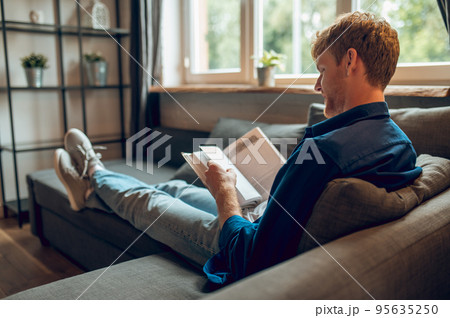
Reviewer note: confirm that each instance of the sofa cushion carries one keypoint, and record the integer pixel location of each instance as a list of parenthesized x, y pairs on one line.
[(55, 212), (349, 204), (159, 276), (315, 113), (180, 140), (427, 128), (230, 128)]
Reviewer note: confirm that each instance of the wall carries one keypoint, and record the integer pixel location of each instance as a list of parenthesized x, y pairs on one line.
[(38, 116), (201, 111)]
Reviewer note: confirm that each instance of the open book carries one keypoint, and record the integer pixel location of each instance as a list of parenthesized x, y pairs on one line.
[(254, 159)]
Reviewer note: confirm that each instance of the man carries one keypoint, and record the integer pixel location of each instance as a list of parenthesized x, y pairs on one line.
[(356, 58)]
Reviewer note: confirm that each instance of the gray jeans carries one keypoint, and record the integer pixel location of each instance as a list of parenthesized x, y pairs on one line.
[(179, 215)]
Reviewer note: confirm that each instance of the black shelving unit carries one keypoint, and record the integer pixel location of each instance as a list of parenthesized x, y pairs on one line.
[(19, 206)]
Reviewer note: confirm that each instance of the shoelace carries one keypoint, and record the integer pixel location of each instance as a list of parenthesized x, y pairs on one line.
[(88, 156)]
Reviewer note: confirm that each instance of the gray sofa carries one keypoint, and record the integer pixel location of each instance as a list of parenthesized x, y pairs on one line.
[(375, 244)]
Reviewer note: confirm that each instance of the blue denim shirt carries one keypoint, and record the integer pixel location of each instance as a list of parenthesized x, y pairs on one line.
[(362, 142)]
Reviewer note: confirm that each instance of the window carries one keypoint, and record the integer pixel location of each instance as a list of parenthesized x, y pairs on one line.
[(216, 29), (288, 27), (222, 36), (217, 49), (424, 48), (419, 25)]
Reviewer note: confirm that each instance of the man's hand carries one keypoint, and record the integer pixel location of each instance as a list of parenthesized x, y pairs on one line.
[(218, 179), (221, 183)]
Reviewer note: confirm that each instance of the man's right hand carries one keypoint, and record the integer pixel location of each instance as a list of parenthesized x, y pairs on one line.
[(222, 185), (218, 179)]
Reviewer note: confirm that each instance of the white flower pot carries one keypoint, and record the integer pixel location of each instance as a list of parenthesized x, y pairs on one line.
[(34, 76), (266, 76), (97, 73)]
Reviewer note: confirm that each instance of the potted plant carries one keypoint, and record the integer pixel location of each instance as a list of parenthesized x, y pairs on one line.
[(266, 67), (96, 69), (34, 65)]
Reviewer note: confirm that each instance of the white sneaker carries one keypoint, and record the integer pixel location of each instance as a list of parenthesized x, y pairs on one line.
[(76, 186), (80, 149)]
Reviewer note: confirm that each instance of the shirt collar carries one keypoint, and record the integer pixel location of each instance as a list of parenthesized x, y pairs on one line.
[(362, 112)]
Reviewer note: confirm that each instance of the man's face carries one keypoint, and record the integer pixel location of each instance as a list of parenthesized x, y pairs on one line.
[(331, 84)]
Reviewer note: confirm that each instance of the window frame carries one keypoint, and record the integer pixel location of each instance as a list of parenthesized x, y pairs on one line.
[(216, 77), (436, 73)]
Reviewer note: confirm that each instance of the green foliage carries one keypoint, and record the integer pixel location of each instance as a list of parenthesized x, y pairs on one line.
[(93, 57), (271, 58), (421, 29), (224, 34), (422, 34), (34, 61), (279, 26)]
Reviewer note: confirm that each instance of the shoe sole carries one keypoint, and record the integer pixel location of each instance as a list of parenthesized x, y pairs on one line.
[(56, 160)]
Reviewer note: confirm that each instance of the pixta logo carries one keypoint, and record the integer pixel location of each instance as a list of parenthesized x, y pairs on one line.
[(304, 154), (146, 141)]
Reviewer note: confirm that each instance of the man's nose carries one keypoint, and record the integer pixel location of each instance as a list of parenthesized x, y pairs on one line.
[(318, 86)]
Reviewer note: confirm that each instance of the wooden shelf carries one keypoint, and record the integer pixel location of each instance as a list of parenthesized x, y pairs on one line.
[(35, 146), (54, 144), (50, 88), (19, 26), (392, 90), (13, 206), (97, 87), (73, 30), (22, 213), (60, 32), (27, 88)]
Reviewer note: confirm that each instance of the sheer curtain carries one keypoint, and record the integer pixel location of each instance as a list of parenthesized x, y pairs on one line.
[(145, 47), (444, 6)]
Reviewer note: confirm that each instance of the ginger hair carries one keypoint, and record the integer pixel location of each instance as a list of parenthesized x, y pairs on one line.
[(375, 41)]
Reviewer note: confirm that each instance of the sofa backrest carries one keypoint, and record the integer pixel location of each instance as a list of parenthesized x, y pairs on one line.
[(179, 141), (427, 128), (348, 205)]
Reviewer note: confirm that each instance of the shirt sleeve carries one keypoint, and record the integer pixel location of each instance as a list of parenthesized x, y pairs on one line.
[(250, 247)]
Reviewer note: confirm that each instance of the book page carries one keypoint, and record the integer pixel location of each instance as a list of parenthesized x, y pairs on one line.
[(247, 194), (257, 159), (197, 163)]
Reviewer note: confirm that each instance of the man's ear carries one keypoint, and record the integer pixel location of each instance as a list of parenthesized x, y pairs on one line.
[(351, 58)]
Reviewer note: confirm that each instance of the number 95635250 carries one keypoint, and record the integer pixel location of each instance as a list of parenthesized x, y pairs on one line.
[(406, 309)]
